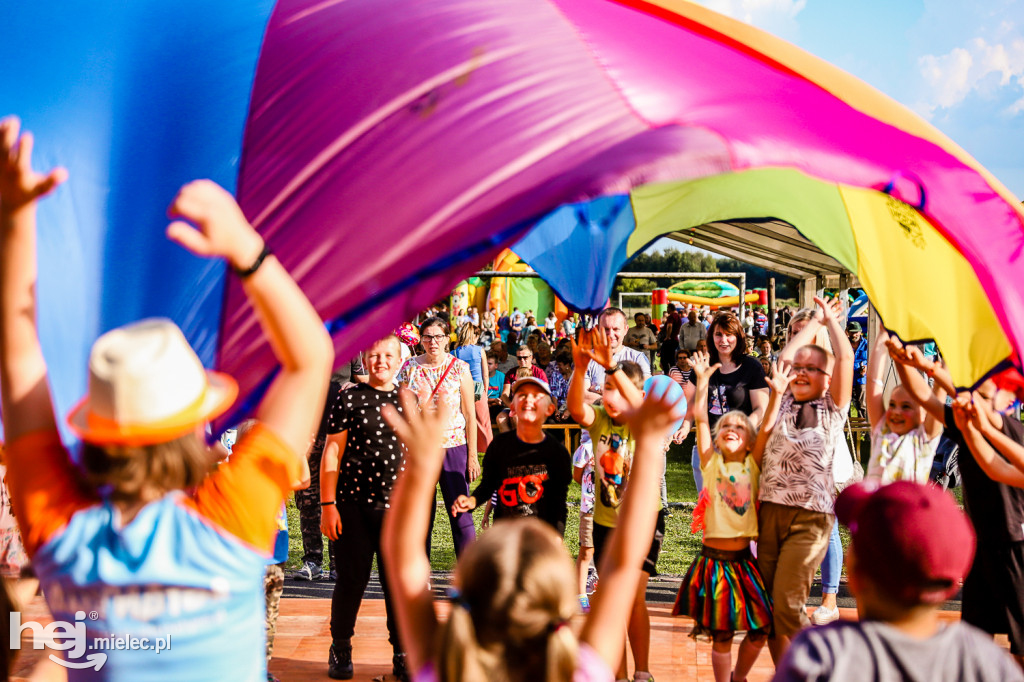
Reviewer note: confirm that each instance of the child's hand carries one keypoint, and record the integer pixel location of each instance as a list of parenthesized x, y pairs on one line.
[(222, 228), (601, 351), (829, 310), (700, 361), (581, 351), (462, 504), (594, 346), (897, 351), (780, 378), (421, 429), (659, 412), (964, 411), (19, 184)]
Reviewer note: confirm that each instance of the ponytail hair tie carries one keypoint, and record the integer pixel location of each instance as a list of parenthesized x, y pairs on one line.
[(557, 625)]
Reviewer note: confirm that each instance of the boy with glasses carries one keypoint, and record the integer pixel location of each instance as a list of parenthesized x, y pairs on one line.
[(797, 485)]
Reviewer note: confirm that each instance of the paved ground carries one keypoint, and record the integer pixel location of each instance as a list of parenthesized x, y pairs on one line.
[(303, 635)]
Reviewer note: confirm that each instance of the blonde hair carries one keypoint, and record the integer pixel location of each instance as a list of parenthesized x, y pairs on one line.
[(467, 334), (508, 623), (805, 315), (130, 470), (744, 421)]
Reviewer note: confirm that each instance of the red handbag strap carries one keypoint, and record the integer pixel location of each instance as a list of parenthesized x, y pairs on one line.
[(441, 380)]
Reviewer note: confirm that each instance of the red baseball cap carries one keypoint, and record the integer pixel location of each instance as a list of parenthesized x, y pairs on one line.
[(911, 540)]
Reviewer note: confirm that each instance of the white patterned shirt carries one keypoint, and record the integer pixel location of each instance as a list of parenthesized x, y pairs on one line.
[(797, 466)]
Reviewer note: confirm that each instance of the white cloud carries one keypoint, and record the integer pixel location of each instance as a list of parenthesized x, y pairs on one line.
[(774, 16), (979, 66)]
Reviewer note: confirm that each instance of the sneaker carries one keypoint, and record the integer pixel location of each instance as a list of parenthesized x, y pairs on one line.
[(332, 576), (309, 571), (584, 604), (824, 616), (592, 581), (398, 668), (339, 663)]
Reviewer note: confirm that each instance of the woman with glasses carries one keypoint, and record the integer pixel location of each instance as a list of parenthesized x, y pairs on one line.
[(436, 375), (738, 384)]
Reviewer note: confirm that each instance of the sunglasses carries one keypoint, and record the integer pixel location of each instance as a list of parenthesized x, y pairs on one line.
[(523, 357)]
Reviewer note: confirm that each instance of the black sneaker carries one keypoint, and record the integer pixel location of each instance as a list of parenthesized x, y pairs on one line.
[(398, 668), (339, 663)]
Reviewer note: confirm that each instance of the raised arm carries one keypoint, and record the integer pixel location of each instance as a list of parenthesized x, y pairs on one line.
[(702, 372), (605, 628), (405, 526), (25, 391), (841, 386), (874, 381), (985, 420), (804, 337), (778, 383), (906, 361), (579, 409), (994, 466), (295, 400), (595, 344)]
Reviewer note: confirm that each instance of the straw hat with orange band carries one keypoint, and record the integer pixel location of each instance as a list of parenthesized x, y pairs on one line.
[(147, 386)]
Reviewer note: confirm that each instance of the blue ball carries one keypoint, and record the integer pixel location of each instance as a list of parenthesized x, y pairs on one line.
[(663, 384)]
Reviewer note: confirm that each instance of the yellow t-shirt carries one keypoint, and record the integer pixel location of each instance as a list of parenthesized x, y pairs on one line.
[(613, 460), (732, 493)]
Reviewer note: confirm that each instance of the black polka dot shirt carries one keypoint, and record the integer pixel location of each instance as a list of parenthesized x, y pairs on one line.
[(373, 455)]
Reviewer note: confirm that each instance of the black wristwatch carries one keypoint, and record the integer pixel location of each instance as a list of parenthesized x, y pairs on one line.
[(613, 369)]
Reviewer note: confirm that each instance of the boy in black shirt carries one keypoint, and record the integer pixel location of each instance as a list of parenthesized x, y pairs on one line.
[(529, 470)]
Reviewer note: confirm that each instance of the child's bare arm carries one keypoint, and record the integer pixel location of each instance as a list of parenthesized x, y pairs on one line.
[(605, 628), (27, 405), (405, 526), (699, 360), (330, 465), (295, 400), (906, 360), (994, 466), (803, 338), (841, 386), (778, 383), (985, 421), (581, 411), (874, 381), (601, 353)]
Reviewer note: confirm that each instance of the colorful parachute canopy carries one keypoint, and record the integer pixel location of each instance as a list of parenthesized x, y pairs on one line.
[(386, 148)]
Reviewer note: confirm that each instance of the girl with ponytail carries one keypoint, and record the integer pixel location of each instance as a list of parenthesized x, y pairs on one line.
[(514, 590)]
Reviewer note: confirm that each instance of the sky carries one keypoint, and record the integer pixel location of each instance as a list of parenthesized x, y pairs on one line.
[(957, 63)]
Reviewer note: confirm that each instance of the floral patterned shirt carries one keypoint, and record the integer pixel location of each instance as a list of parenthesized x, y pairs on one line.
[(414, 374)]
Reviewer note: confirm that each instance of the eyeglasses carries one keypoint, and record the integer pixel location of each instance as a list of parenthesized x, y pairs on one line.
[(523, 357), (808, 369), (431, 338)]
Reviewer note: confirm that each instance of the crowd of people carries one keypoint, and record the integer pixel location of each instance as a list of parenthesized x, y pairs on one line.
[(155, 532)]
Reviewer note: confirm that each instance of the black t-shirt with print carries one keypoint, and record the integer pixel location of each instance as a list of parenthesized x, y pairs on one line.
[(530, 479), (373, 456), (996, 509), (731, 391)]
